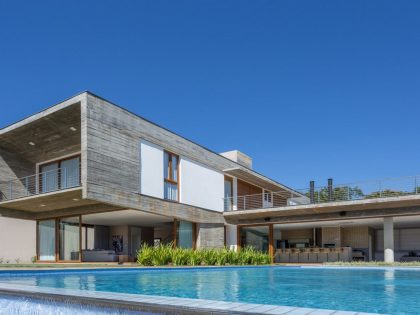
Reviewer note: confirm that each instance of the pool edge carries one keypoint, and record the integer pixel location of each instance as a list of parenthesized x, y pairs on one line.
[(158, 304)]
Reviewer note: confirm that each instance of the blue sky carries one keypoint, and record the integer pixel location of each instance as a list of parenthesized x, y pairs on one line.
[(309, 89)]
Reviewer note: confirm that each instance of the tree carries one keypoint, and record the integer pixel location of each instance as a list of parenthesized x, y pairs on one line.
[(390, 193), (341, 193)]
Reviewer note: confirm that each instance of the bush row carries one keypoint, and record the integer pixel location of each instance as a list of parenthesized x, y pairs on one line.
[(163, 255)]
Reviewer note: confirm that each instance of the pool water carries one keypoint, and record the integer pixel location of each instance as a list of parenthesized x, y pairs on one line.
[(376, 290)]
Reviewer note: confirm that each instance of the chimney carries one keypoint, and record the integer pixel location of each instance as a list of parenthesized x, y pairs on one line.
[(312, 191), (238, 157), (330, 189)]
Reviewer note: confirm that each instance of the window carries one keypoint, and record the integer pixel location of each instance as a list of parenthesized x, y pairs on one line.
[(46, 240), (256, 237), (170, 174), (60, 174), (267, 196), (185, 234), (228, 193), (69, 238)]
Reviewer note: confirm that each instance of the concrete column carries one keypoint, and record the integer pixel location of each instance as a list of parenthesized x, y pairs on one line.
[(389, 239), (232, 237)]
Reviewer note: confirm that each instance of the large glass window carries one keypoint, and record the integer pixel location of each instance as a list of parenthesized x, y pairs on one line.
[(170, 174), (49, 177), (185, 234), (228, 194), (60, 175), (70, 173), (46, 240), (256, 237), (69, 244)]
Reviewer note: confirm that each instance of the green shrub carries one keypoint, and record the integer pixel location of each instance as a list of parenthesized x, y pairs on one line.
[(166, 254), (145, 255), (162, 255), (181, 256), (195, 258)]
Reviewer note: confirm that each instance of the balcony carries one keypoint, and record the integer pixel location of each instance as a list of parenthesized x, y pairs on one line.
[(383, 189), (41, 183)]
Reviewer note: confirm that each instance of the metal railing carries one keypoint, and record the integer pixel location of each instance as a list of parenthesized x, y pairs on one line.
[(41, 183), (386, 188)]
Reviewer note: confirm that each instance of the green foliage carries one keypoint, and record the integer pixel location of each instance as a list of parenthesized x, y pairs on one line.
[(340, 193), (389, 193), (375, 263), (163, 255), (180, 256)]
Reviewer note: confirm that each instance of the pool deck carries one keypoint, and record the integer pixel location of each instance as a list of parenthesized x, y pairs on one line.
[(157, 304)]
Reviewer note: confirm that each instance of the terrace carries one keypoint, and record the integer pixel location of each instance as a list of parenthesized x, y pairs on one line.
[(337, 194), (52, 180)]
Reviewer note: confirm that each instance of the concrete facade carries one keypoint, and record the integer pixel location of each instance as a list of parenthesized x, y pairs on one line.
[(122, 168)]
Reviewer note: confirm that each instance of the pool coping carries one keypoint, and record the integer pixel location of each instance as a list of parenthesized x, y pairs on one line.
[(19, 271), (158, 304)]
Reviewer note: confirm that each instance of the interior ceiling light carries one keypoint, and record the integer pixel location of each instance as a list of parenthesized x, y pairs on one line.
[(75, 199), (31, 143), (72, 128), (42, 205)]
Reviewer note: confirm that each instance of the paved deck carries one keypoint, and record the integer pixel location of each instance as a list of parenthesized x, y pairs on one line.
[(158, 304)]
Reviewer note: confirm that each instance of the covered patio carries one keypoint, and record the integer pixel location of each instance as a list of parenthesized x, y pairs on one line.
[(372, 239), (113, 236)]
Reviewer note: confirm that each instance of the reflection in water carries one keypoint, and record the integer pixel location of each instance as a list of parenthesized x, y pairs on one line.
[(226, 288), (370, 290), (389, 276)]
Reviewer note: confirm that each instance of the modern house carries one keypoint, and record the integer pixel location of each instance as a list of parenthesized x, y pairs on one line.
[(87, 181)]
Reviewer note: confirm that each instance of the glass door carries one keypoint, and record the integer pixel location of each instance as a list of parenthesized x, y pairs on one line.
[(69, 239), (185, 234), (70, 173), (49, 177), (228, 194), (46, 240)]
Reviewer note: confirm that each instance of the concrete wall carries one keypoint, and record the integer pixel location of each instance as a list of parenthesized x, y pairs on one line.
[(331, 235), (18, 240), (201, 186), (297, 234), (165, 233), (210, 235), (111, 159), (355, 236), (151, 169)]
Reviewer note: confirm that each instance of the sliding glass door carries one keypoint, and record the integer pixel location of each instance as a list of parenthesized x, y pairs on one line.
[(185, 234), (256, 237), (61, 174), (69, 239), (70, 173), (46, 240), (49, 177)]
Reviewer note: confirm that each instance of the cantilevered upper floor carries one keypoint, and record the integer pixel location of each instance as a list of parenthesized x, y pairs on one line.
[(86, 152)]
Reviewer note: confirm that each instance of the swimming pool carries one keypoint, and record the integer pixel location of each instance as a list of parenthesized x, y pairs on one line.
[(376, 290)]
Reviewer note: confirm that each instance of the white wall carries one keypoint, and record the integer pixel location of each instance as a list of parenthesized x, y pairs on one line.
[(201, 186), (17, 240), (151, 169)]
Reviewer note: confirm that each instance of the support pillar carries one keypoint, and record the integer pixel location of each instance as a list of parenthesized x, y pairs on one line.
[(389, 239)]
